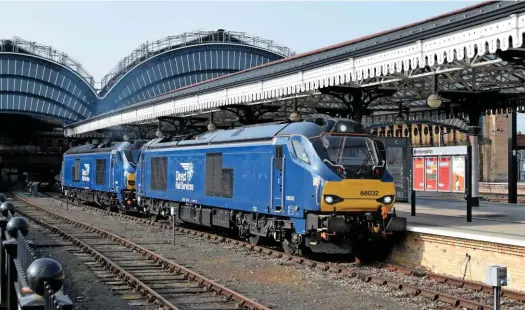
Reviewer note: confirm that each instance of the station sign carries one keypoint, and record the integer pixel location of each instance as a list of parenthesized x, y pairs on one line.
[(440, 169), (439, 151)]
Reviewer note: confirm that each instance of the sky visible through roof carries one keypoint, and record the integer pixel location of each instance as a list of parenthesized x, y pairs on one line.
[(98, 34)]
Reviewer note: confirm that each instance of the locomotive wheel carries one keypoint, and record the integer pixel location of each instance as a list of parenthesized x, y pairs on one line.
[(253, 239), (288, 247), (156, 218)]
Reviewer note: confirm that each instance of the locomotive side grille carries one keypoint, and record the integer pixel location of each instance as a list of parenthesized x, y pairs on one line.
[(227, 183), (213, 174), (159, 168), (101, 172), (219, 181)]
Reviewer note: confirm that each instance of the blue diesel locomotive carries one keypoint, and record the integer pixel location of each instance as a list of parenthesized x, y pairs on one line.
[(102, 173), (320, 185)]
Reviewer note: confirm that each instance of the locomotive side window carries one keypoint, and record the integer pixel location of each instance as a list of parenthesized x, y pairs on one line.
[(159, 168), (75, 170), (299, 151), (101, 172), (279, 155)]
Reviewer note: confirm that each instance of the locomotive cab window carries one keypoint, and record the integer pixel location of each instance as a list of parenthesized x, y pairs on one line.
[(349, 156), (132, 156), (300, 151)]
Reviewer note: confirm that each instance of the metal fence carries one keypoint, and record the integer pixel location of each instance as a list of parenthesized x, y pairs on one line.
[(26, 280)]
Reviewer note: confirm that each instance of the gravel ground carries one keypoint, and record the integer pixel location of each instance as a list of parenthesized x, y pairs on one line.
[(265, 279), (424, 282), (83, 287)]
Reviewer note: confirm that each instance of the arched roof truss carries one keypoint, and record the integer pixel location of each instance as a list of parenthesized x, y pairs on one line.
[(181, 68), (41, 81), (34, 85)]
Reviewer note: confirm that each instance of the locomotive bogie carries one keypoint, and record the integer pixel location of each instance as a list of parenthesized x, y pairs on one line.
[(249, 225)]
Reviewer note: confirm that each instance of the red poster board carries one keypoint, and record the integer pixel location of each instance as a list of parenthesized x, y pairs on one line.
[(431, 173), (444, 166), (419, 173), (458, 174)]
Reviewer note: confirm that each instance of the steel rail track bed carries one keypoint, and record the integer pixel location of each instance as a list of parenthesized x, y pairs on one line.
[(163, 282), (454, 301)]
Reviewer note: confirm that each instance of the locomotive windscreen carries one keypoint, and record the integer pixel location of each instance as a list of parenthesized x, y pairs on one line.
[(133, 156), (350, 150), (350, 156), (133, 153)]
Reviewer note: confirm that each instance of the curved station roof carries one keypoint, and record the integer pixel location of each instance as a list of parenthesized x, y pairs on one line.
[(40, 81)]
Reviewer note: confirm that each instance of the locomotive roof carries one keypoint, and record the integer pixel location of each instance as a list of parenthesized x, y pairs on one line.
[(313, 126), (95, 148)]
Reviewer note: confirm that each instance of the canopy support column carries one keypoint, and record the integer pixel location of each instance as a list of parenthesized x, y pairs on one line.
[(473, 137), (513, 160)]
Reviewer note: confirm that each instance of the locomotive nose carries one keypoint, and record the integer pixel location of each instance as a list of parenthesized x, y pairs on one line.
[(131, 181), (357, 195)]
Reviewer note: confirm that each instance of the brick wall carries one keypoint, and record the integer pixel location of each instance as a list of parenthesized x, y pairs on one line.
[(448, 256)]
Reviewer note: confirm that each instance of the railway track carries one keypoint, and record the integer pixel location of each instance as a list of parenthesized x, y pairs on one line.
[(161, 282), (433, 286)]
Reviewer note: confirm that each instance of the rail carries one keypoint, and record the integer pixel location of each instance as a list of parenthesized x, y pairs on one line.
[(159, 298), (453, 300), (27, 281)]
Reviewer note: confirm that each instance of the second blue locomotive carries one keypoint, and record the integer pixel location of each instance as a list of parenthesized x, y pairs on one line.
[(102, 173)]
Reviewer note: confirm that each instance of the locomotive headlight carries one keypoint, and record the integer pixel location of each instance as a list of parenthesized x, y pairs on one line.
[(332, 199), (386, 199)]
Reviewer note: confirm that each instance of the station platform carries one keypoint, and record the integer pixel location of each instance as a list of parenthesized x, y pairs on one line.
[(440, 239), (491, 222)]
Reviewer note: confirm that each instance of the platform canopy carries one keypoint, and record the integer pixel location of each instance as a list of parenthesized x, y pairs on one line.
[(451, 68)]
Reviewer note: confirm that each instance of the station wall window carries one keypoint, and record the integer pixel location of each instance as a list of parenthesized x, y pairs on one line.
[(49, 143), (75, 171), (60, 143), (159, 168), (299, 151), (101, 172)]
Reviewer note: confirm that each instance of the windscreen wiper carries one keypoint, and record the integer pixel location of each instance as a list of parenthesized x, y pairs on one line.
[(365, 163), (343, 173)]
